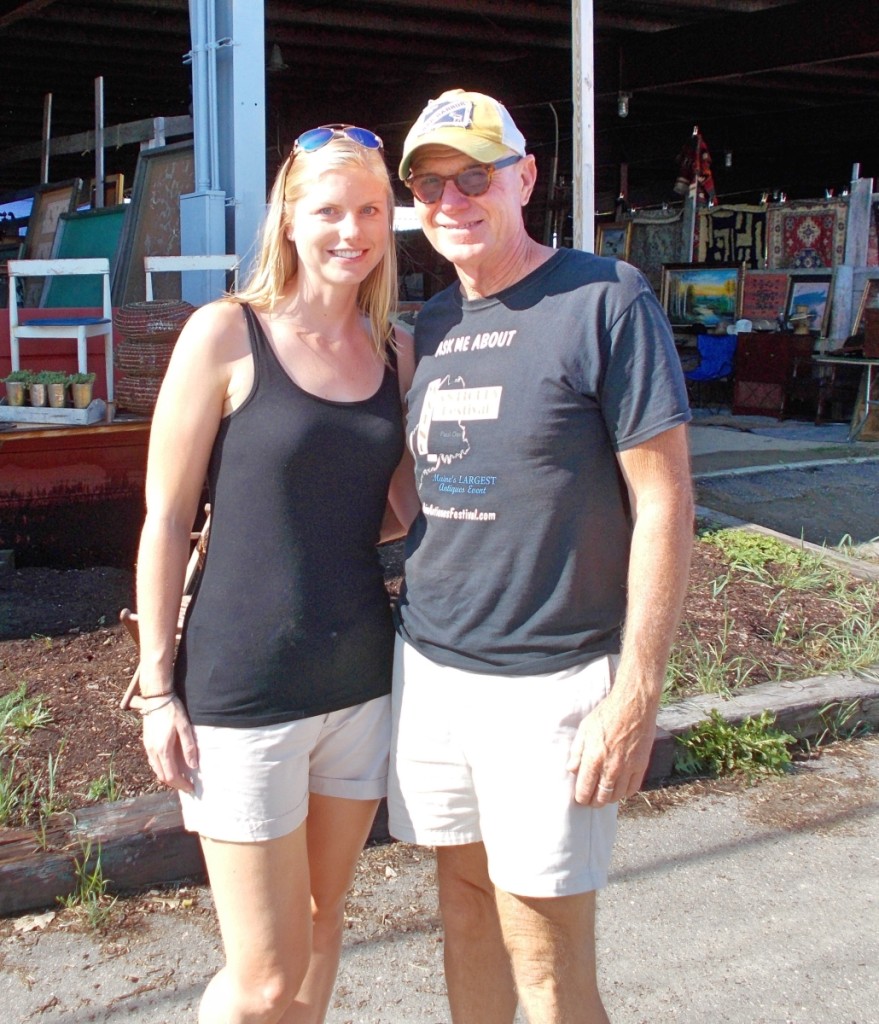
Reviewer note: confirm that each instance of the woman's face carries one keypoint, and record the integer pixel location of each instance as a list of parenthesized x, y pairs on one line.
[(340, 226)]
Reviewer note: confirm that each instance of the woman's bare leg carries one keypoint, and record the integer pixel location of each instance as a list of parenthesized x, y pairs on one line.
[(261, 892), (337, 830)]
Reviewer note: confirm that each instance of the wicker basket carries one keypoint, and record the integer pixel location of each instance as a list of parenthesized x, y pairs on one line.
[(156, 318), (145, 357), (138, 394)]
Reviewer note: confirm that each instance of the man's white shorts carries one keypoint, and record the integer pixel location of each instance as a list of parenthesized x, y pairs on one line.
[(253, 784), (481, 758)]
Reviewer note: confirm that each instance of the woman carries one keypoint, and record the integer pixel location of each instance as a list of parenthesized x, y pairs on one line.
[(273, 723)]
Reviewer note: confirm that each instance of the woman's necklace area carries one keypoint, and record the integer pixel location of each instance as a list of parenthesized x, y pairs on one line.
[(307, 335)]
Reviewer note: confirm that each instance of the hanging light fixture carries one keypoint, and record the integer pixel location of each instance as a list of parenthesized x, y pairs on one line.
[(276, 60), (623, 104)]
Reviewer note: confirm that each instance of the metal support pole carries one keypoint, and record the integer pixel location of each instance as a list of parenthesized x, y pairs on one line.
[(99, 143), (584, 125), (47, 135)]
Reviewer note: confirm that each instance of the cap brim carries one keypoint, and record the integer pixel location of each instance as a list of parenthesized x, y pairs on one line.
[(456, 138)]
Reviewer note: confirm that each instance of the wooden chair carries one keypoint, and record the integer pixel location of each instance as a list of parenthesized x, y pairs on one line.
[(170, 264), (78, 328), (128, 618)]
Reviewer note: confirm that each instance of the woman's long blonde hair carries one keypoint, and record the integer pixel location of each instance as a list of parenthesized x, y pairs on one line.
[(277, 261)]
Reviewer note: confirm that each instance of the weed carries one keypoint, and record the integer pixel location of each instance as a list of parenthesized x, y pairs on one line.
[(90, 895), (10, 793), (21, 713), (717, 747), (706, 667), (49, 801), (104, 788)]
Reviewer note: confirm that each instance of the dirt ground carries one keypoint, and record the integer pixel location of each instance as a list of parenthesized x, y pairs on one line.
[(60, 638)]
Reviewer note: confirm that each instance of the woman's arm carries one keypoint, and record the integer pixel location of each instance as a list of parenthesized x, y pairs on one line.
[(403, 502), (200, 384)]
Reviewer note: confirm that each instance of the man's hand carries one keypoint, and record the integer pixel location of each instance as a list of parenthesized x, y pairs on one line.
[(611, 752)]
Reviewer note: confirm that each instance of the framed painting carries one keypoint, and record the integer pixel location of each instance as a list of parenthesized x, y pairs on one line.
[(701, 295), (614, 239), (50, 201), (92, 233), (764, 294), (812, 291), (869, 300), (114, 190), (152, 227)]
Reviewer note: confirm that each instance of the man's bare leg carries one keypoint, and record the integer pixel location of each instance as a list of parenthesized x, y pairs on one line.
[(551, 943), (478, 975)]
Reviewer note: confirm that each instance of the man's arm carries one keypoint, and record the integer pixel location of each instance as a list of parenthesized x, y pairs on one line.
[(612, 749)]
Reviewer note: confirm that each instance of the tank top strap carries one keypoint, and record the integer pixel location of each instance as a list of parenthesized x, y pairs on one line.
[(265, 362)]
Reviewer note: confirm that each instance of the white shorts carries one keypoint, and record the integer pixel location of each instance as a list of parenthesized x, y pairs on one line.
[(253, 784), (481, 758)]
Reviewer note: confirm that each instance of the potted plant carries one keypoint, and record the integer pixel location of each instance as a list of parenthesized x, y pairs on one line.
[(39, 388), (81, 385), (17, 383), (56, 385)]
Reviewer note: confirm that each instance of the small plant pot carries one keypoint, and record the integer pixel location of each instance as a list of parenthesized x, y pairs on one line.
[(15, 391), (39, 395), (82, 395), (57, 395)]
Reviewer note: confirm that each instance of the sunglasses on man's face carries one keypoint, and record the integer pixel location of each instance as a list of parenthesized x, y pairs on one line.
[(317, 138), (472, 182)]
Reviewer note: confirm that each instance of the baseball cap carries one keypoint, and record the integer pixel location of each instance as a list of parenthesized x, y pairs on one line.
[(470, 122)]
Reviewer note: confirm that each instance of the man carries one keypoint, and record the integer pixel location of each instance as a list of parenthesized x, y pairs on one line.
[(547, 420)]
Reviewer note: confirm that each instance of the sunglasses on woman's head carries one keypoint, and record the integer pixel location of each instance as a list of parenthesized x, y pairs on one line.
[(472, 182), (317, 138)]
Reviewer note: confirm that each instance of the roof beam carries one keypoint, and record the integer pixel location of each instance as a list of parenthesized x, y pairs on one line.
[(544, 13), (27, 10), (414, 28), (752, 43)]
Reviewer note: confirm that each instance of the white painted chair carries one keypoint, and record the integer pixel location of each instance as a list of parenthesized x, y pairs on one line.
[(78, 328), (168, 264)]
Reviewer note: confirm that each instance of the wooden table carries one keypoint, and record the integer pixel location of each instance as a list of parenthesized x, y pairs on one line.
[(870, 403)]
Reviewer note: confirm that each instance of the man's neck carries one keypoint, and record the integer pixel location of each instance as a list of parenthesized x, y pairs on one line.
[(485, 277)]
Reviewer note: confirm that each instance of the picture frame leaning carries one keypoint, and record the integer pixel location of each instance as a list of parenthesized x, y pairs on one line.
[(50, 201), (869, 300), (613, 239), (812, 289), (152, 227), (701, 294)]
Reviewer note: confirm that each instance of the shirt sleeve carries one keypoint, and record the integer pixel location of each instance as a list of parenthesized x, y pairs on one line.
[(642, 391)]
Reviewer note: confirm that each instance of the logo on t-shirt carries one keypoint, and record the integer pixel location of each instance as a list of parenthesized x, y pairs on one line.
[(441, 435)]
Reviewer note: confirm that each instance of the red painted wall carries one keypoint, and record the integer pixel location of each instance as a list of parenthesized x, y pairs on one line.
[(55, 354)]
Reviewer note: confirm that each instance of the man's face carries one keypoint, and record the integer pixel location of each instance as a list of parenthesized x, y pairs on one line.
[(474, 231)]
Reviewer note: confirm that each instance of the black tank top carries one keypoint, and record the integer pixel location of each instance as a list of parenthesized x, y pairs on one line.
[(290, 617)]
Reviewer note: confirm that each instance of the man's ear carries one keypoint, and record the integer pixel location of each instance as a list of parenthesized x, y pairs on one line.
[(527, 168)]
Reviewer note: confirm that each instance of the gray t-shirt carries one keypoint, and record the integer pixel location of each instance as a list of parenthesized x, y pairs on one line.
[(517, 563)]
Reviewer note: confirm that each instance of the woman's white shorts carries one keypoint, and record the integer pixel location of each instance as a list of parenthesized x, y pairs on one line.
[(253, 784), (481, 758)]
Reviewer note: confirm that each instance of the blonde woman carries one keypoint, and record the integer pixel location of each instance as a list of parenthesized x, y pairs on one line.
[(273, 720)]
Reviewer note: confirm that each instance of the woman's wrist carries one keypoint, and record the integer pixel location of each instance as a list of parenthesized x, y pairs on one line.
[(144, 711), (157, 693)]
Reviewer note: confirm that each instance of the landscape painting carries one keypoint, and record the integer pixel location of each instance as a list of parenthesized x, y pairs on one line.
[(701, 294)]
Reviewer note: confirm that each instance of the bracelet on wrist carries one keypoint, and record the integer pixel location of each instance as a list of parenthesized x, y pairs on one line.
[(161, 693), (157, 707)]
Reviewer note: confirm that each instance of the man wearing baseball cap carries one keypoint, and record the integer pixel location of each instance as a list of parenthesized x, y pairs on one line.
[(545, 573)]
